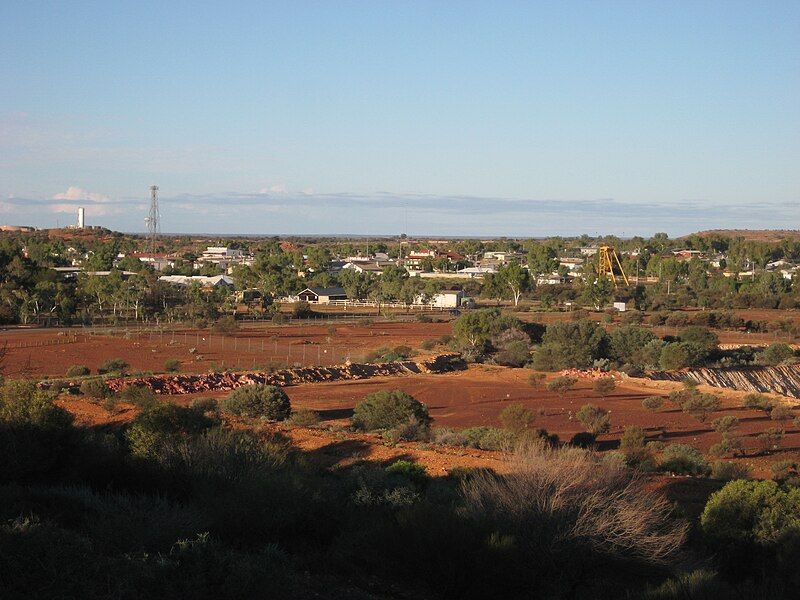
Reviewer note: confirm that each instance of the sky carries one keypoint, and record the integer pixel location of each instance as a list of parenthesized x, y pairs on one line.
[(430, 118)]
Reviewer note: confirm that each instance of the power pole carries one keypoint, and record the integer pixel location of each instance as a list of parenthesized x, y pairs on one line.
[(153, 220)]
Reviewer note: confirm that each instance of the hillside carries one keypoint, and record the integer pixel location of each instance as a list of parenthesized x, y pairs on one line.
[(757, 235)]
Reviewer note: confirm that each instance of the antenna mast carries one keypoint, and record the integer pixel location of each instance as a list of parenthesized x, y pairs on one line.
[(153, 220)]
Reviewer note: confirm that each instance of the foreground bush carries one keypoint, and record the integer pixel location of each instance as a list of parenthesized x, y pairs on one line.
[(561, 500), (387, 409), (683, 459), (754, 525), (140, 396), (152, 427), (258, 401)]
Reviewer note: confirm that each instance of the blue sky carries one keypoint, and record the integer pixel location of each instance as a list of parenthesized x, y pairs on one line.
[(449, 118)]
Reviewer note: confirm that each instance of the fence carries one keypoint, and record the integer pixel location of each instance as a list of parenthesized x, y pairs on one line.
[(241, 350), (38, 343)]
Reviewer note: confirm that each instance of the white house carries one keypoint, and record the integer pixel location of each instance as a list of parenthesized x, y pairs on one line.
[(215, 281), (443, 299)]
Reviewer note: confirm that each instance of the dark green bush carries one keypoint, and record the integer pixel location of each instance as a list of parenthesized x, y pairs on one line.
[(305, 417), (116, 366), (172, 365), (78, 371), (226, 325), (95, 388), (258, 401), (386, 409), (140, 396), (489, 438), (153, 426), (683, 459)]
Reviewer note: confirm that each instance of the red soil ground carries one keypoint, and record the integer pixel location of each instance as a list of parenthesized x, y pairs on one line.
[(46, 351)]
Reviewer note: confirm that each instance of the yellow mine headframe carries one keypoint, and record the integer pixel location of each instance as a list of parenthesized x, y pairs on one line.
[(608, 265)]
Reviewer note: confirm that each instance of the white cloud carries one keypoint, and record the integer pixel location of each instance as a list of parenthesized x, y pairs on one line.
[(76, 193), (275, 189)]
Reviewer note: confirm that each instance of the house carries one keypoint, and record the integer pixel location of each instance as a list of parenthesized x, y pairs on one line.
[(570, 263), (686, 254), (550, 279), (476, 272), (320, 295), (206, 282), (376, 268), (158, 260), (223, 257)]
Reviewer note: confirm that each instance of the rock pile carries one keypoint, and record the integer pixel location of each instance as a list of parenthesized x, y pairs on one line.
[(191, 384)]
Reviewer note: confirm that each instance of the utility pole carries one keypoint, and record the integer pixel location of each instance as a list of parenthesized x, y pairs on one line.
[(153, 220)]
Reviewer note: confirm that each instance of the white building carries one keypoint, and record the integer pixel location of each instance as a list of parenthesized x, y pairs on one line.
[(215, 281)]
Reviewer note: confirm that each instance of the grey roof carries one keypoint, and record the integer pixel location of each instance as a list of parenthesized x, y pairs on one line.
[(329, 291)]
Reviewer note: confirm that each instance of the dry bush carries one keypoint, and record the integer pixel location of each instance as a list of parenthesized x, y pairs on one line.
[(559, 500)]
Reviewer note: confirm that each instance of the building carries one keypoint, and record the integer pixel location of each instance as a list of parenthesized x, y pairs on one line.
[(320, 295), (215, 281), (223, 257), (477, 272), (376, 268), (570, 263), (550, 279), (448, 299), (81, 218), (158, 260)]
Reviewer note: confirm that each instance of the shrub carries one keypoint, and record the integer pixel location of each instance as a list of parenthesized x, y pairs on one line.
[(516, 418), (140, 396), (78, 371), (225, 325), (562, 384), (730, 444), (447, 436), (279, 318), (301, 310), (514, 354), (653, 403), (754, 526), (564, 501), (775, 354), (780, 413), (258, 402), (728, 471), (683, 459), (700, 406), (785, 470), (305, 417), (633, 438), (153, 426), (701, 336), (770, 439), (535, 380), (489, 438), (172, 365), (411, 430), (388, 408), (583, 439), (594, 419), (413, 472), (674, 356), (758, 402), (604, 386), (115, 365), (205, 405), (428, 344), (94, 388), (627, 342), (35, 434), (725, 424)]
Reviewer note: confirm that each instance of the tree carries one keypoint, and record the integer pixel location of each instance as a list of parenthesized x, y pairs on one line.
[(604, 386), (571, 344), (701, 336), (674, 356), (513, 277), (626, 343), (725, 424), (775, 354), (594, 419), (476, 328), (597, 293)]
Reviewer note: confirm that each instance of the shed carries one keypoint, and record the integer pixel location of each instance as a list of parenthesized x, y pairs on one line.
[(320, 295)]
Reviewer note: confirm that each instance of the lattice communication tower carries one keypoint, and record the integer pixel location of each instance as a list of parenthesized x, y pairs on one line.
[(153, 220)]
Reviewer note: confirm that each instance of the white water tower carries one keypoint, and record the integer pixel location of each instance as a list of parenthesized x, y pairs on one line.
[(81, 219)]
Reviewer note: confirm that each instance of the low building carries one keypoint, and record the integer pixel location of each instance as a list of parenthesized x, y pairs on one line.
[(448, 299), (204, 281), (570, 263), (477, 272), (320, 295), (550, 279)]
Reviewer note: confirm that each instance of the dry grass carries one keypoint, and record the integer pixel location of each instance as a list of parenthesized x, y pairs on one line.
[(560, 499)]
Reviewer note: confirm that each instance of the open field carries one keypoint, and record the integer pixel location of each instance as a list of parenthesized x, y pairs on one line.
[(38, 352)]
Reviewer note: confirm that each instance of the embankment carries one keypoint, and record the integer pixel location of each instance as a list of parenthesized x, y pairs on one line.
[(779, 380), (190, 384)]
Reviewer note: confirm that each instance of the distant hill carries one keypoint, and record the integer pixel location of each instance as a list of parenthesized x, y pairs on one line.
[(756, 235)]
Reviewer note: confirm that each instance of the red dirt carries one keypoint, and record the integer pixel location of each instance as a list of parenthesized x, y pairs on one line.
[(251, 346)]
